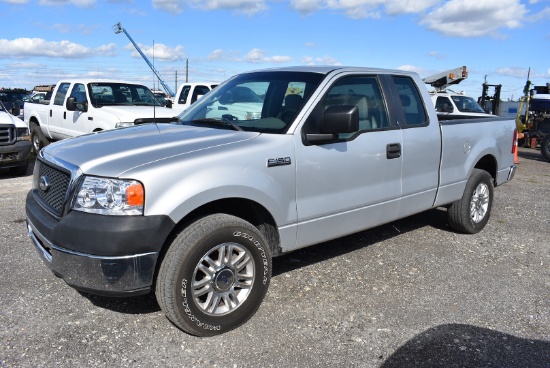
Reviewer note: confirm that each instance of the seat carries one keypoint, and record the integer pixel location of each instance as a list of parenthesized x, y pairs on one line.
[(292, 104), (119, 97), (363, 106)]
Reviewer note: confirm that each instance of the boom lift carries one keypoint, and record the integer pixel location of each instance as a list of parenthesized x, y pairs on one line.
[(117, 28), (441, 81)]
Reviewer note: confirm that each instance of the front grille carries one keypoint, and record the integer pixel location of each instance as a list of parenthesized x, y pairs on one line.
[(58, 183), (7, 134)]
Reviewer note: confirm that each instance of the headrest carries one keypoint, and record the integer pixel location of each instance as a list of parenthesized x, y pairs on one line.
[(293, 101)]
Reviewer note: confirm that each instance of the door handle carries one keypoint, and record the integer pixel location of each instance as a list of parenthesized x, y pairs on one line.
[(393, 150)]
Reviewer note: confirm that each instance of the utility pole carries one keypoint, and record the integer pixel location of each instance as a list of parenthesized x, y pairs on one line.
[(187, 71)]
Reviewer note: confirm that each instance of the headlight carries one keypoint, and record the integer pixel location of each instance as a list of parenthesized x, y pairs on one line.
[(253, 115), (124, 124), (23, 134), (110, 196)]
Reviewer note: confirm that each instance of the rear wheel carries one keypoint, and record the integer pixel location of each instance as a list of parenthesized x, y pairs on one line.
[(545, 147), (471, 213), (214, 276), (38, 138)]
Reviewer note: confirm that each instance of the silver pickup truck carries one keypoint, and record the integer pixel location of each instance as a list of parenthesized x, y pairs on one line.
[(195, 210)]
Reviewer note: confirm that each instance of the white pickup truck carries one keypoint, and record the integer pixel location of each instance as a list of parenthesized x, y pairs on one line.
[(195, 211), (78, 107), (15, 143), (189, 93)]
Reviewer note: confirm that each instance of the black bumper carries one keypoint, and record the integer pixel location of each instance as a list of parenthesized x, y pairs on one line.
[(15, 155), (106, 255)]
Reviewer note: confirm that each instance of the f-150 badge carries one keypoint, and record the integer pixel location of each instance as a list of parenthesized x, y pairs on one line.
[(278, 161)]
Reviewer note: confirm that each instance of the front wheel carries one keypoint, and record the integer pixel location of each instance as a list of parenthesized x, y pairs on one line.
[(545, 147), (471, 213), (214, 275)]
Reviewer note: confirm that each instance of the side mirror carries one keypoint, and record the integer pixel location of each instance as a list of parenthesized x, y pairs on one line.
[(339, 119), (72, 105), (169, 104)]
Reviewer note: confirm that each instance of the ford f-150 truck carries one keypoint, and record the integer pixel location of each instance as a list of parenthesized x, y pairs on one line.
[(79, 107), (195, 210)]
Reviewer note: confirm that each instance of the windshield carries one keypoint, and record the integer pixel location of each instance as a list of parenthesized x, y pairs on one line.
[(265, 102), (110, 94), (467, 104)]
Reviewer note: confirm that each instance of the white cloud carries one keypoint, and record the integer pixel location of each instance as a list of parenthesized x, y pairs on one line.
[(475, 18), (413, 68), (38, 47), (324, 60), (159, 52), (221, 55), (248, 7), (170, 6), (258, 56), (358, 9), (78, 3)]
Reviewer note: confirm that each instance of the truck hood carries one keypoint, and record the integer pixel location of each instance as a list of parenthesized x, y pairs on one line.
[(131, 113), (112, 152), (7, 118)]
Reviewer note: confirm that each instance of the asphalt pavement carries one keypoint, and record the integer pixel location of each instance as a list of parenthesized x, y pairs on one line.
[(412, 293)]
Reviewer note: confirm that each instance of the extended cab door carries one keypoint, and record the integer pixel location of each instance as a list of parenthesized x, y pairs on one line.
[(354, 183), (421, 146)]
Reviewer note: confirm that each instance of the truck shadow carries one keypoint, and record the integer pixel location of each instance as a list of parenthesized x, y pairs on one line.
[(458, 345), (530, 154), (435, 218)]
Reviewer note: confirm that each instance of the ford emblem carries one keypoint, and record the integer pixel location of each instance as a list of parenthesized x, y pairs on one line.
[(43, 183)]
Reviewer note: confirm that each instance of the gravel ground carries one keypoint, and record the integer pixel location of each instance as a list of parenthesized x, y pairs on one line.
[(412, 293)]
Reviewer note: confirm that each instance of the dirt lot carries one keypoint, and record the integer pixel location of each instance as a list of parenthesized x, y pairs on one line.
[(412, 293)]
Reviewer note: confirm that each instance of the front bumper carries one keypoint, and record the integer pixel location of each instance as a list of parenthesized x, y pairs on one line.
[(103, 275), (104, 255), (15, 155)]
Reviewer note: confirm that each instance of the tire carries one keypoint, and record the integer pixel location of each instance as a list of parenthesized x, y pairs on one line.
[(545, 147), (200, 290), (471, 213), (38, 138)]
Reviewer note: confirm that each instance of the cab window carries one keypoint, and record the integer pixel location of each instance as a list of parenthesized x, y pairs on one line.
[(411, 102)]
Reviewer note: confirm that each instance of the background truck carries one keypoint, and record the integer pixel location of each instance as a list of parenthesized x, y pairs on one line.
[(15, 143), (189, 93), (195, 211), (79, 107), (449, 104)]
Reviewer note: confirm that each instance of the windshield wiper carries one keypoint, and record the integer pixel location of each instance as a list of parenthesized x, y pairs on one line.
[(219, 122)]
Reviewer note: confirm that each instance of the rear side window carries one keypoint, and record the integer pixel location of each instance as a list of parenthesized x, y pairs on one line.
[(411, 102)]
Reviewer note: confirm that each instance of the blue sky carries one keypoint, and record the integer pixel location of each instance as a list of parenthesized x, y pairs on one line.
[(46, 40)]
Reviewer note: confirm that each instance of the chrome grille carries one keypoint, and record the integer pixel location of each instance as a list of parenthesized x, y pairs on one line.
[(7, 134), (58, 184)]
